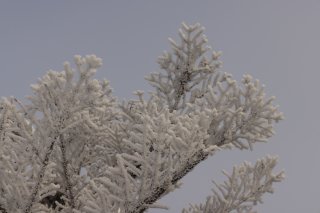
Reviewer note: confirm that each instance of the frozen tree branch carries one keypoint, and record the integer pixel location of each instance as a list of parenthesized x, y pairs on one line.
[(243, 189), (75, 148)]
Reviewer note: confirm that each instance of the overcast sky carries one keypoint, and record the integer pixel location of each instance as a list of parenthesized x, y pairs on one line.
[(276, 41)]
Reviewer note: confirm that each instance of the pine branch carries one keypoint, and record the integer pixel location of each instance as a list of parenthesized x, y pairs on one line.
[(66, 173), (158, 192), (134, 153), (40, 176), (242, 190)]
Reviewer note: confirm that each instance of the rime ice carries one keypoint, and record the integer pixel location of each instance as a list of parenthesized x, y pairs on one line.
[(135, 152)]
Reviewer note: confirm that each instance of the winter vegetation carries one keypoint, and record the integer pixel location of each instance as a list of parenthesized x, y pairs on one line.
[(75, 148)]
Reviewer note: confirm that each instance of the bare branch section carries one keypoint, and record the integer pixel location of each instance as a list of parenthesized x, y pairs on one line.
[(2, 209), (75, 148), (66, 171)]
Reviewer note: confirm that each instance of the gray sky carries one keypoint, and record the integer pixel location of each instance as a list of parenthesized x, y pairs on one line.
[(276, 41)]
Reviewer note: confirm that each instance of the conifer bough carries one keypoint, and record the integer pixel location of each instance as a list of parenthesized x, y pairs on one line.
[(75, 148)]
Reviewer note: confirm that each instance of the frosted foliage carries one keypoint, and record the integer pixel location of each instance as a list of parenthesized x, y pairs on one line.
[(75, 148), (242, 190), (187, 68)]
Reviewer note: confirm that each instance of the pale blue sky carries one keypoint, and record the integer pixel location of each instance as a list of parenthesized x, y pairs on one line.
[(277, 41)]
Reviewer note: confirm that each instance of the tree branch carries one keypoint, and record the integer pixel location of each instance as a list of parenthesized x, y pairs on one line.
[(66, 172), (40, 176), (158, 192)]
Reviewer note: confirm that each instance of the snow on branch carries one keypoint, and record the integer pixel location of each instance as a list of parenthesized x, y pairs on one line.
[(242, 190), (186, 68), (15, 156), (75, 148)]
